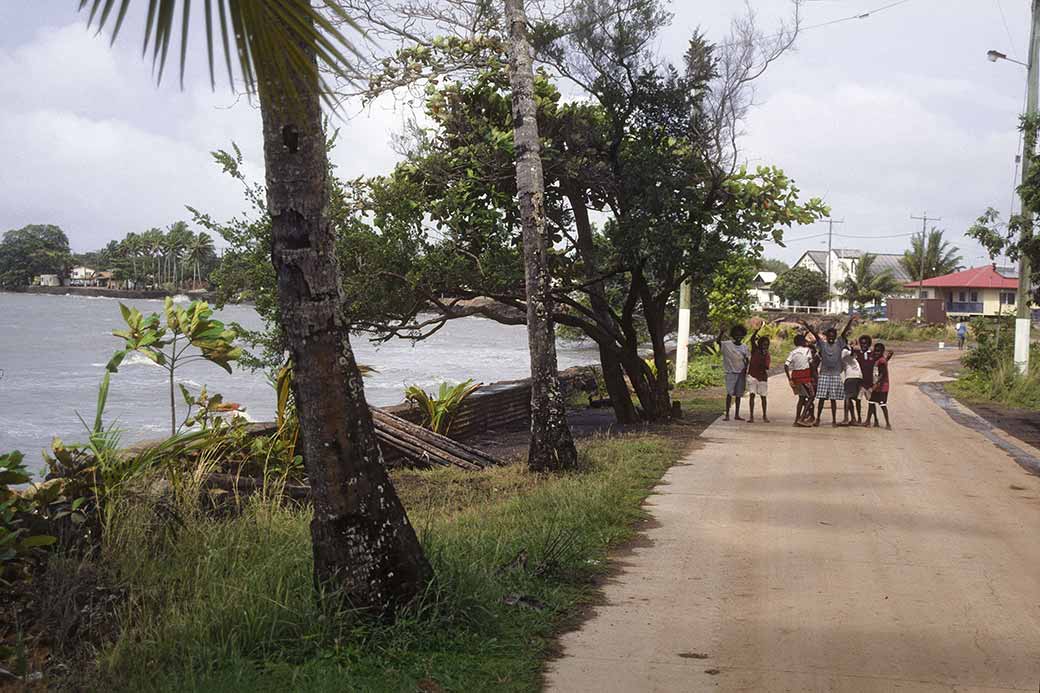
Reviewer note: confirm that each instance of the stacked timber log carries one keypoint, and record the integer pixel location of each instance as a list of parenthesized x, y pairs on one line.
[(425, 448)]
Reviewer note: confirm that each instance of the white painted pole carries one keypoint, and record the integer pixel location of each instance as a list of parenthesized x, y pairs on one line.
[(1025, 284), (682, 340)]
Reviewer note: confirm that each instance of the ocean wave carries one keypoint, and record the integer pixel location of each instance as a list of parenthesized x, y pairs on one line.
[(181, 298), (137, 359)]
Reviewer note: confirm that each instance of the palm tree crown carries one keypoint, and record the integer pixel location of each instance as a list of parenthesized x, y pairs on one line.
[(939, 256), (865, 285)]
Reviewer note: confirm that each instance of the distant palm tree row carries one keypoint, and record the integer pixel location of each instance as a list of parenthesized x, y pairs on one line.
[(157, 258)]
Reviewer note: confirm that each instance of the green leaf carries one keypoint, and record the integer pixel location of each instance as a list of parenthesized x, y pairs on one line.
[(188, 399), (117, 358), (38, 540)]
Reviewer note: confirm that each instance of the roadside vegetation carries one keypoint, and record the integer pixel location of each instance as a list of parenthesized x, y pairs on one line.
[(990, 374), (204, 592)]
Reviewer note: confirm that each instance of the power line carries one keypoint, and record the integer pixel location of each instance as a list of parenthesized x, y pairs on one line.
[(894, 235), (861, 15), (804, 238), (1003, 18)]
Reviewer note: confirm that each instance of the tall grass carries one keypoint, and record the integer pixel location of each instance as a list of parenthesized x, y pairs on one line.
[(228, 604), (1002, 384)]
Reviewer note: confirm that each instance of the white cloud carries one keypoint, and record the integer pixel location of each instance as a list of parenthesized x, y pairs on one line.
[(95, 147)]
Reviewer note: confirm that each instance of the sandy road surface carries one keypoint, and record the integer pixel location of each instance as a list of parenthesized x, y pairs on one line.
[(788, 559)]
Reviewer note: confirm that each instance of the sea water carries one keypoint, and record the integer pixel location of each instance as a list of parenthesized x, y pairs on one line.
[(53, 350)]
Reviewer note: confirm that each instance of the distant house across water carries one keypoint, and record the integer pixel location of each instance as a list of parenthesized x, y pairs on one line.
[(106, 280), (81, 276), (48, 280)]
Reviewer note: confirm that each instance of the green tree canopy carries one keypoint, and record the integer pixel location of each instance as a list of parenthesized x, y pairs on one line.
[(33, 250), (801, 286), (767, 264), (939, 256)]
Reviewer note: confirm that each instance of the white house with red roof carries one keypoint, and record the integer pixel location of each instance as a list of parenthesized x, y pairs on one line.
[(976, 291)]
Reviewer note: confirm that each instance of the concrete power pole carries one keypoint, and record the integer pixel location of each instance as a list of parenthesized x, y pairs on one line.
[(682, 338), (830, 238), (924, 248), (1024, 321)]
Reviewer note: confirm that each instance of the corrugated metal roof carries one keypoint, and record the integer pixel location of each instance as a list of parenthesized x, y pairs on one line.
[(883, 261), (985, 277)]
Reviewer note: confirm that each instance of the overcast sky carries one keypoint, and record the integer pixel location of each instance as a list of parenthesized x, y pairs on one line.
[(883, 117)]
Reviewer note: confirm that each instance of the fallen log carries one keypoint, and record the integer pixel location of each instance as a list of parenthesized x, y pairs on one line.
[(425, 446)]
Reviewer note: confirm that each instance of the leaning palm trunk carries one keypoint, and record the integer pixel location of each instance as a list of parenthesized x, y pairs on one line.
[(365, 550), (552, 447)]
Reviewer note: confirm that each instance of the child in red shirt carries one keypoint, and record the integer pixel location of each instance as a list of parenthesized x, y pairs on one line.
[(879, 391), (758, 375)]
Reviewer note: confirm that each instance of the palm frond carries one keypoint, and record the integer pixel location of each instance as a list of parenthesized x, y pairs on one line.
[(272, 40)]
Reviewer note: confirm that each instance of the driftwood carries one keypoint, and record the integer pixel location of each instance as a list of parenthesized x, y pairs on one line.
[(424, 447)]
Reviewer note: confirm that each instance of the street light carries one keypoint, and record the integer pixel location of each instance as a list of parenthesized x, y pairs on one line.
[(1024, 318), (994, 56)]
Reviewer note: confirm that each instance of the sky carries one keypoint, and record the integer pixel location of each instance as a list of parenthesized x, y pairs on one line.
[(884, 117)]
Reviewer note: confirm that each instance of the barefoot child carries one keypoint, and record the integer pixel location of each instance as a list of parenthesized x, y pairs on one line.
[(734, 363), (830, 386), (798, 368), (879, 393), (853, 374), (758, 375)]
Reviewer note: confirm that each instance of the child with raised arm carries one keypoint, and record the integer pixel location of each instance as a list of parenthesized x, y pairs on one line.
[(853, 374), (798, 368), (879, 393), (758, 375), (830, 386), (734, 363)]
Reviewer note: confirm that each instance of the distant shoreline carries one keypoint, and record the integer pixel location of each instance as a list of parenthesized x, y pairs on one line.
[(131, 294)]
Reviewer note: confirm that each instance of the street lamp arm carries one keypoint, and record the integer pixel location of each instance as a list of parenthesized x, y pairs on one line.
[(994, 56)]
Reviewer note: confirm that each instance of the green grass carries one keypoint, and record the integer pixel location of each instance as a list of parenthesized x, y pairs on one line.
[(1003, 385), (224, 605), (905, 332)]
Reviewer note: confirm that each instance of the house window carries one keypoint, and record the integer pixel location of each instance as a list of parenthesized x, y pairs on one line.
[(961, 298), (974, 296), (1007, 298)]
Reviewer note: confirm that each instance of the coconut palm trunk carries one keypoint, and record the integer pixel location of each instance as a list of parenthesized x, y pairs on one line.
[(552, 447), (364, 546)]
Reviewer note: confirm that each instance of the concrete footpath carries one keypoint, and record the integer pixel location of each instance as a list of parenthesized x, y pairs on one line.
[(791, 559)]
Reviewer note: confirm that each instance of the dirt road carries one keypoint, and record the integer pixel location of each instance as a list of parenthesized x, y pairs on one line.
[(789, 559)]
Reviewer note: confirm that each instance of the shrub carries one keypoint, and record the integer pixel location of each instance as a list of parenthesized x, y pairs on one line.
[(439, 411), (19, 544)]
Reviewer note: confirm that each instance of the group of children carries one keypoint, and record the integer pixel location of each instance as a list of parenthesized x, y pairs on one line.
[(818, 370)]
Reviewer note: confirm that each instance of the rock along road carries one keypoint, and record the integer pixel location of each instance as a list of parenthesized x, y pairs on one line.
[(791, 559)]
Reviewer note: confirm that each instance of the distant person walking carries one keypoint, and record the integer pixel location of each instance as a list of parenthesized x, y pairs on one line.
[(962, 333), (735, 359)]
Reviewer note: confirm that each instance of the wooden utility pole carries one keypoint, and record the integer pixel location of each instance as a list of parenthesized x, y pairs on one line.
[(924, 252), (830, 242)]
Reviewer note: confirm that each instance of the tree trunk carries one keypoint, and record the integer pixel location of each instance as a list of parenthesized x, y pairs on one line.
[(613, 376), (365, 550), (655, 406), (552, 447)]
